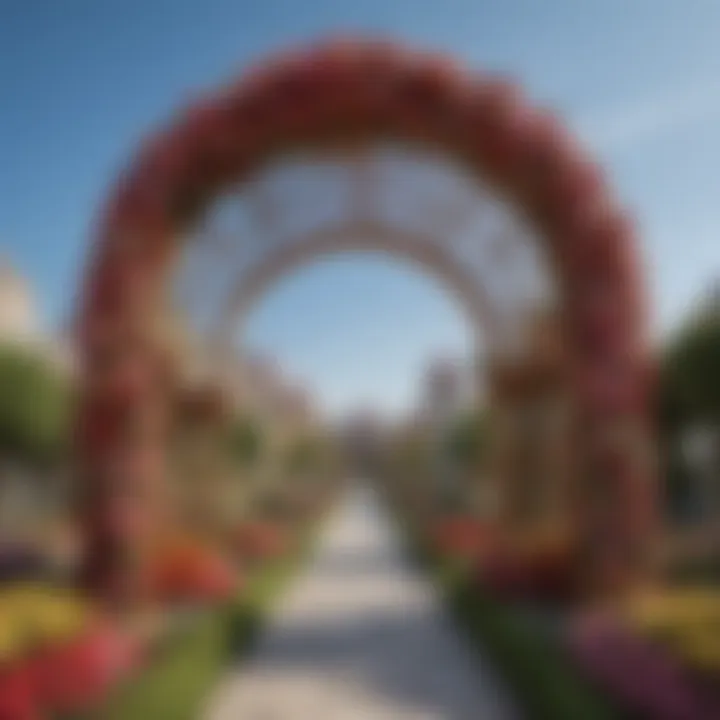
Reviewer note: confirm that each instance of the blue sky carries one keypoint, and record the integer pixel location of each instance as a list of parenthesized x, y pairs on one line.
[(82, 80)]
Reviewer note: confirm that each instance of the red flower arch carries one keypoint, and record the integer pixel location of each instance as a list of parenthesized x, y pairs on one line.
[(345, 92)]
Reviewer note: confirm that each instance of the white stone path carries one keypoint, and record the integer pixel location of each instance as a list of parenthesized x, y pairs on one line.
[(361, 637)]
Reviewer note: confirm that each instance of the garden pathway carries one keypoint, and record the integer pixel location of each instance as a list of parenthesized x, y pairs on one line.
[(361, 636)]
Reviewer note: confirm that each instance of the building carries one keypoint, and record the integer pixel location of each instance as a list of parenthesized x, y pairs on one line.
[(253, 384), (21, 323), (362, 435), (263, 390), (19, 318), (448, 390)]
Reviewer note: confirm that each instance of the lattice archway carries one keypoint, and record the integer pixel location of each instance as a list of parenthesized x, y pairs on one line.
[(408, 203), (339, 94), (364, 237)]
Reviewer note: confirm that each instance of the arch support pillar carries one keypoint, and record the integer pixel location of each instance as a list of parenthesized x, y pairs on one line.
[(532, 449)]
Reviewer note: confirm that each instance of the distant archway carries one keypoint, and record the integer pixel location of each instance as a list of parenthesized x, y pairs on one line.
[(396, 243), (342, 94)]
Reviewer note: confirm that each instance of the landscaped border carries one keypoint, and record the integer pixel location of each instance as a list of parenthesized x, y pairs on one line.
[(538, 672), (177, 683)]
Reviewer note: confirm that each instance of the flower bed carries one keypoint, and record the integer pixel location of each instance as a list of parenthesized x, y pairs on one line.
[(57, 654), (260, 541), (685, 622), (539, 572), (543, 678), (80, 674), (186, 571), (35, 615), (174, 685), (61, 657), (460, 536), (642, 675), (653, 657)]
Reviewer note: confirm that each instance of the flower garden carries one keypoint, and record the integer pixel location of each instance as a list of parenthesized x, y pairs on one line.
[(63, 655), (654, 654), (203, 586), (518, 593)]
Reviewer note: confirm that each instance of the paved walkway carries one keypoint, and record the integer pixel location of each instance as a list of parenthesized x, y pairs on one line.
[(360, 637)]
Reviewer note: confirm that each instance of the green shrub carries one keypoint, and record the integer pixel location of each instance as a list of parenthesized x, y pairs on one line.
[(35, 405), (540, 675)]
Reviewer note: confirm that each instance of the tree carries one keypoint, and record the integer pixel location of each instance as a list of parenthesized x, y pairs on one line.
[(35, 404), (467, 439), (303, 455), (245, 442), (689, 380), (688, 399), (411, 456)]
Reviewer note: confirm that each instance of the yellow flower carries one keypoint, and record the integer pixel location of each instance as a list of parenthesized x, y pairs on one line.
[(43, 614), (13, 639), (702, 651), (672, 611), (58, 618)]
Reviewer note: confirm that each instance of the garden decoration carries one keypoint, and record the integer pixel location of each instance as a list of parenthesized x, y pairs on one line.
[(344, 95)]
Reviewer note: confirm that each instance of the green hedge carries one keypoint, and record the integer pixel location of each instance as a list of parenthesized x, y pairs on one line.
[(542, 677)]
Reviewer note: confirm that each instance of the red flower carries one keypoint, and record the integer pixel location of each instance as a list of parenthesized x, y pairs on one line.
[(17, 696), (543, 574), (500, 116), (260, 541), (78, 675), (192, 574), (461, 536)]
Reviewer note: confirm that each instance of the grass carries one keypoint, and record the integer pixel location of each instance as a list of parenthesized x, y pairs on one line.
[(175, 685)]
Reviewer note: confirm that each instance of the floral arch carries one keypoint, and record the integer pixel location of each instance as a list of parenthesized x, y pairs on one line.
[(342, 95)]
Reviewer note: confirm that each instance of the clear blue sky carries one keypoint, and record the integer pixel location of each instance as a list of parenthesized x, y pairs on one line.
[(82, 80)]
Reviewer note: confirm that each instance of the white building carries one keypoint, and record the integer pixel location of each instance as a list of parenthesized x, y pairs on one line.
[(21, 323), (19, 319)]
